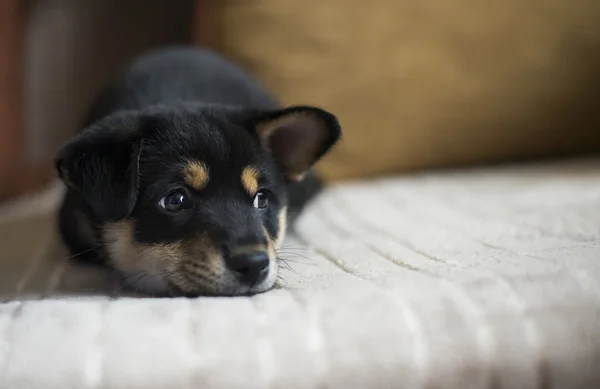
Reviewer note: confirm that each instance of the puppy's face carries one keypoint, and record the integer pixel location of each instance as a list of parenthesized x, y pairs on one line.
[(192, 200)]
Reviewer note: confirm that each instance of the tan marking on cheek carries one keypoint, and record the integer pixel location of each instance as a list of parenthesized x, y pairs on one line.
[(202, 252), (157, 261), (275, 242), (250, 177), (122, 249), (203, 267), (270, 246), (270, 241), (273, 262), (127, 254), (196, 174), (194, 265), (282, 220)]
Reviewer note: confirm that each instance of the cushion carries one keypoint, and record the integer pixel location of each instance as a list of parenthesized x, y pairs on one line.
[(477, 279), (421, 84)]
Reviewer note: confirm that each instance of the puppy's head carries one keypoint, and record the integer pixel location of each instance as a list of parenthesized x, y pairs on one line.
[(192, 200)]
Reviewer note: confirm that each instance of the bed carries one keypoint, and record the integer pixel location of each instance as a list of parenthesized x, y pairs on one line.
[(474, 278)]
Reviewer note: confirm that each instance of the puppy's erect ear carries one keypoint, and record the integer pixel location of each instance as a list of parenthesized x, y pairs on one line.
[(297, 136), (101, 164)]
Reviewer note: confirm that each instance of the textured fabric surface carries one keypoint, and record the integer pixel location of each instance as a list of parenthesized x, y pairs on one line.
[(476, 279), (428, 83)]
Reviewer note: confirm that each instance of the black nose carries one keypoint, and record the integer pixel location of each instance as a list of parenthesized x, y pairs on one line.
[(250, 268)]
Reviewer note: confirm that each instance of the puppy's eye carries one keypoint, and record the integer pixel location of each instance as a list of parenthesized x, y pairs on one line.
[(261, 200), (175, 201)]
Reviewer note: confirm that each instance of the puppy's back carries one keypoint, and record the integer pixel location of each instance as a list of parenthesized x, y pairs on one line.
[(179, 74)]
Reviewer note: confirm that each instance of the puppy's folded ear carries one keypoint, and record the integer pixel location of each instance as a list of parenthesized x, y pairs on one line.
[(297, 136), (101, 164)]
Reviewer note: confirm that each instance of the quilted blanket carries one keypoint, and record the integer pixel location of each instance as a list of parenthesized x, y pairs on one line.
[(481, 278)]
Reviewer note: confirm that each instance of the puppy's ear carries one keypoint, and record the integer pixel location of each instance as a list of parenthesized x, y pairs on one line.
[(101, 164), (297, 136)]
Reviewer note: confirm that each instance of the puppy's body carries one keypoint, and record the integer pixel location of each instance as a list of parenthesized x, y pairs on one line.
[(184, 173), (180, 75)]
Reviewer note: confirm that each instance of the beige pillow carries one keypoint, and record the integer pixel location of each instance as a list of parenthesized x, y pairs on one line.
[(429, 83)]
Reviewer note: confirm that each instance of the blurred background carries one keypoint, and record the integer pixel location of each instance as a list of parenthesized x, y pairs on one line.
[(416, 84)]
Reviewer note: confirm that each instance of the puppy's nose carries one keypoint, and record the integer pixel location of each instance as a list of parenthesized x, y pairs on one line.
[(250, 268)]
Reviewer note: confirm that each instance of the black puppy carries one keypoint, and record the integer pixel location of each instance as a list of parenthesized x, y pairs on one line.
[(184, 173)]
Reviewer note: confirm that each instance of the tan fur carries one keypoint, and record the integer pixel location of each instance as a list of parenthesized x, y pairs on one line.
[(282, 219), (196, 174), (194, 266), (276, 241), (271, 247), (275, 244), (249, 178), (131, 258)]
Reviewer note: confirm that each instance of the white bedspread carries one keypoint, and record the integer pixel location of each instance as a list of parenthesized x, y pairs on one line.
[(485, 278)]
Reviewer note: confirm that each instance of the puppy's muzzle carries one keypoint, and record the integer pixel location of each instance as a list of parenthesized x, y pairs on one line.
[(250, 268)]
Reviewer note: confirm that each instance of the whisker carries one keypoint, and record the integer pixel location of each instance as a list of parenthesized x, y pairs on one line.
[(118, 289), (136, 289), (73, 256), (150, 293), (295, 247), (282, 279), (287, 266), (298, 263), (297, 260), (297, 256), (128, 280), (292, 251)]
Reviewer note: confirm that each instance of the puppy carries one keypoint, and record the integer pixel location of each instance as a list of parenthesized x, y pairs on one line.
[(184, 173)]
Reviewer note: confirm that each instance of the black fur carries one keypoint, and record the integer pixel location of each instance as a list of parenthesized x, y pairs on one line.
[(171, 107)]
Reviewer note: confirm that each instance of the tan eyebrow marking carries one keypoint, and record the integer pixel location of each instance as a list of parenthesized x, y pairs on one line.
[(250, 179), (195, 174)]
